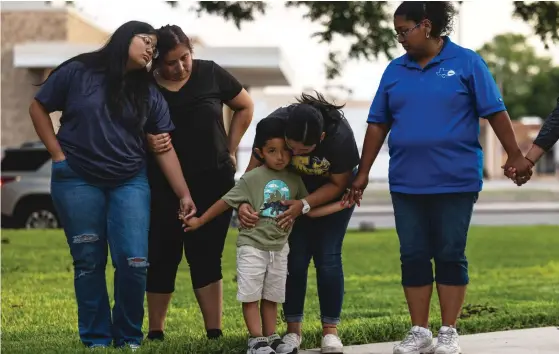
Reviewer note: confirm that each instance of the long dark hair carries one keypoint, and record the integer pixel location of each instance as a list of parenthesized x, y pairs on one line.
[(168, 37), (121, 86), (312, 117)]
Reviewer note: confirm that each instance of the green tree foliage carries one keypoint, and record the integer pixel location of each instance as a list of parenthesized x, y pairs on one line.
[(368, 24), (527, 81)]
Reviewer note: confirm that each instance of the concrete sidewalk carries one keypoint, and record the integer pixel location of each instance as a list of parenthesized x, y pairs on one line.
[(526, 341)]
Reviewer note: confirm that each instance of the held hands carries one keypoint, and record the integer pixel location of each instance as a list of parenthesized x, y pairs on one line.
[(186, 214), (190, 224), (354, 194), (187, 208), (518, 169), (159, 143)]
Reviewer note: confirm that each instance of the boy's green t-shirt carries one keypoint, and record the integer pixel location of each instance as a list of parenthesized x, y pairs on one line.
[(264, 189)]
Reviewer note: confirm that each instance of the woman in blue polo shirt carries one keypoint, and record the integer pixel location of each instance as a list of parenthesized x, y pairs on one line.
[(99, 184), (430, 100)]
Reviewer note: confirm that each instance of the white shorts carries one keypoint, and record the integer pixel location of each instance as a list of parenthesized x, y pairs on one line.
[(261, 274)]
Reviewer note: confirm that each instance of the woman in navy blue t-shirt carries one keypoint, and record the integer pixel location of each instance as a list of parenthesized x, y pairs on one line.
[(99, 184), (431, 99)]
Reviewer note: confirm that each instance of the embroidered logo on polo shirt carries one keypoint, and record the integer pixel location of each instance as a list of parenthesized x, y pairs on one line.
[(445, 73)]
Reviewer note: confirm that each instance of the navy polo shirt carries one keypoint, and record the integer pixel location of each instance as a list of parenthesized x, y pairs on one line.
[(97, 146), (434, 117)]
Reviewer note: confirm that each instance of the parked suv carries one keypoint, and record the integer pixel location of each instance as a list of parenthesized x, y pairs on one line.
[(25, 184)]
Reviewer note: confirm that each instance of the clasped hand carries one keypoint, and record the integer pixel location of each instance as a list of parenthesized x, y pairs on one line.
[(518, 169)]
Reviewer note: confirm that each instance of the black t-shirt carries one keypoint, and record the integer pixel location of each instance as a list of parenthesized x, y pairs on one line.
[(337, 153), (196, 111)]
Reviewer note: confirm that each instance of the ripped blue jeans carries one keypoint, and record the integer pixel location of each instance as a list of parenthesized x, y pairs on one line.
[(97, 218)]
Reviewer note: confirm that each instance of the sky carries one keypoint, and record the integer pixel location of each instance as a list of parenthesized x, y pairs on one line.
[(479, 22)]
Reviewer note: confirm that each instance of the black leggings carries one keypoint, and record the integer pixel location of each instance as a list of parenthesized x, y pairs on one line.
[(203, 248)]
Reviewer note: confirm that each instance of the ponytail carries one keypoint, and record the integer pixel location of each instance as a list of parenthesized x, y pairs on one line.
[(311, 117), (331, 113)]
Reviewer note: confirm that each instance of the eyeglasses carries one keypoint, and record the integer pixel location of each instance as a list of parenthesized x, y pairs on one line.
[(148, 41), (402, 35)]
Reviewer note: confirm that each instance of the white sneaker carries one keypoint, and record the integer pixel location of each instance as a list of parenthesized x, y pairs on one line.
[(331, 344), (418, 341), (447, 341), (293, 340), (280, 346), (259, 345)]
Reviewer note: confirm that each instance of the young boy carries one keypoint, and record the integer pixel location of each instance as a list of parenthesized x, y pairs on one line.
[(262, 250)]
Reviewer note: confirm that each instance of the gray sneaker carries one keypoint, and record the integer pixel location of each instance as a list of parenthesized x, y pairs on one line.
[(280, 346), (418, 341), (447, 341), (259, 345)]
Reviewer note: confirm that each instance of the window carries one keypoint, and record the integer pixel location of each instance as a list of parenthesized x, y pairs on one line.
[(24, 160)]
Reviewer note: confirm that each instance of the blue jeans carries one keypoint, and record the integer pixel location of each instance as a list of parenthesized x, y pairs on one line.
[(320, 239), (94, 216), (433, 226)]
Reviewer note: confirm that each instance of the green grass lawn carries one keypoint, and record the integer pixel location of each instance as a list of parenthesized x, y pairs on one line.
[(514, 284)]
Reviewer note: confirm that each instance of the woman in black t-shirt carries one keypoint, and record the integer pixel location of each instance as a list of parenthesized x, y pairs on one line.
[(325, 154), (195, 91)]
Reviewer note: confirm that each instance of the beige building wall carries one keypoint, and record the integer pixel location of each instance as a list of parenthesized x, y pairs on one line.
[(17, 84), (20, 26), (79, 30)]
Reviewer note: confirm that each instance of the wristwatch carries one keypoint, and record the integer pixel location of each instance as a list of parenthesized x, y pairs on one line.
[(306, 206)]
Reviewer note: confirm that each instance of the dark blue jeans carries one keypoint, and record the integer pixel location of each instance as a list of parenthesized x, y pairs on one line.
[(94, 217), (320, 239), (433, 226)]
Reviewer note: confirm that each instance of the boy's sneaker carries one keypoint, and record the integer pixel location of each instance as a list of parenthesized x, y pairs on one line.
[(280, 347), (331, 344), (447, 341), (259, 345), (418, 341), (294, 340)]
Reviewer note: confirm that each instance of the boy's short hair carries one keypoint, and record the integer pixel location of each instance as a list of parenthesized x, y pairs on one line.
[(269, 128)]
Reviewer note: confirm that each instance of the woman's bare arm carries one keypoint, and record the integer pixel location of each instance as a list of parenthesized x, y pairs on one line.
[(243, 109)]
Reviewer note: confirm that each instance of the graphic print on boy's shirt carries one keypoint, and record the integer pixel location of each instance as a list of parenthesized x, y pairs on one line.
[(265, 189), (275, 192)]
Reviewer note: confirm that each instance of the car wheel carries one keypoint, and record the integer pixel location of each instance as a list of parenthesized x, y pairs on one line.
[(39, 215)]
